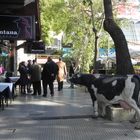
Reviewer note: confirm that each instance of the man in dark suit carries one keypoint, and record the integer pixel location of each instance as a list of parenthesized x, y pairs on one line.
[(49, 73)]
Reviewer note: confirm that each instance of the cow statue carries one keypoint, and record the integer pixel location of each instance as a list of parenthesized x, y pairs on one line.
[(112, 89)]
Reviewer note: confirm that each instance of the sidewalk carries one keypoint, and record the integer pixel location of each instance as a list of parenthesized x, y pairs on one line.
[(66, 116)]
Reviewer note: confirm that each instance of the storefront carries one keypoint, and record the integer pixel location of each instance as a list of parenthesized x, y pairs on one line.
[(19, 20)]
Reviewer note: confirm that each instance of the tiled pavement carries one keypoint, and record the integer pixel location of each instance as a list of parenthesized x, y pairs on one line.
[(66, 116)]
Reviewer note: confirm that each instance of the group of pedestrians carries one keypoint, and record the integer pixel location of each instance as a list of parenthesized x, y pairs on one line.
[(33, 74), (23, 81), (28, 76)]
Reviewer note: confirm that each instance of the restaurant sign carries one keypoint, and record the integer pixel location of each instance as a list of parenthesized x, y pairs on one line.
[(17, 27)]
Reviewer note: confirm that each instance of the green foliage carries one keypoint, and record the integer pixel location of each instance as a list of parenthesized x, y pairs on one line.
[(57, 52), (53, 14), (72, 19), (77, 21), (136, 67)]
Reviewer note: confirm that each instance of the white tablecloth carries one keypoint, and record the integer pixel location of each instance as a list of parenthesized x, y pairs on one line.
[(5, 85), (14, 79)]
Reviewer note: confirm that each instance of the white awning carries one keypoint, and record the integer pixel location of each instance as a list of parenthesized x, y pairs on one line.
[(134, 51)]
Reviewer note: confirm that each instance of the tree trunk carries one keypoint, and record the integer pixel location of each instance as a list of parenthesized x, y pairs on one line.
[(96, 38), (123, 61), (95, 53)]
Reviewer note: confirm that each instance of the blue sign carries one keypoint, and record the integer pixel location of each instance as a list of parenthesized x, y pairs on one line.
[(104, 52)]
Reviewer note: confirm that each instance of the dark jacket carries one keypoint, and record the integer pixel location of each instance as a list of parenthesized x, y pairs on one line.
[(50, 71), (71, 71), (23, 75)]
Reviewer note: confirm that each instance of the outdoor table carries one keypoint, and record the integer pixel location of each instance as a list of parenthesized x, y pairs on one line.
[(14, 79), (9, 93), (4, 91), (10, 85)]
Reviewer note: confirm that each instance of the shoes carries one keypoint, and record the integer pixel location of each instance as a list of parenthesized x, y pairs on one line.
[(33, 94), (60, 89), (71, 87), (44, 95), (52, 95), (29, 91), (23, 93)]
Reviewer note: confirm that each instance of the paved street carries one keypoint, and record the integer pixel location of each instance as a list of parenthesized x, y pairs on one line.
[(66, 116)]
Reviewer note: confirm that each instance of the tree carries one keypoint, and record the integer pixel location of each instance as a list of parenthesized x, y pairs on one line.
[(70, 18), (123, 61), (96, 28), (81, 22)]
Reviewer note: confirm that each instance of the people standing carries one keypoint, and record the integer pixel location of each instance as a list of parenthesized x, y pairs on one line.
[(23, 81), (62, 73), (1, 69), (35, 73), (29, 64), (71, 72), (49, 73)]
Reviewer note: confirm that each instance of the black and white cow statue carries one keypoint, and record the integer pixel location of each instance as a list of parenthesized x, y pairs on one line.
[(109, 89)]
